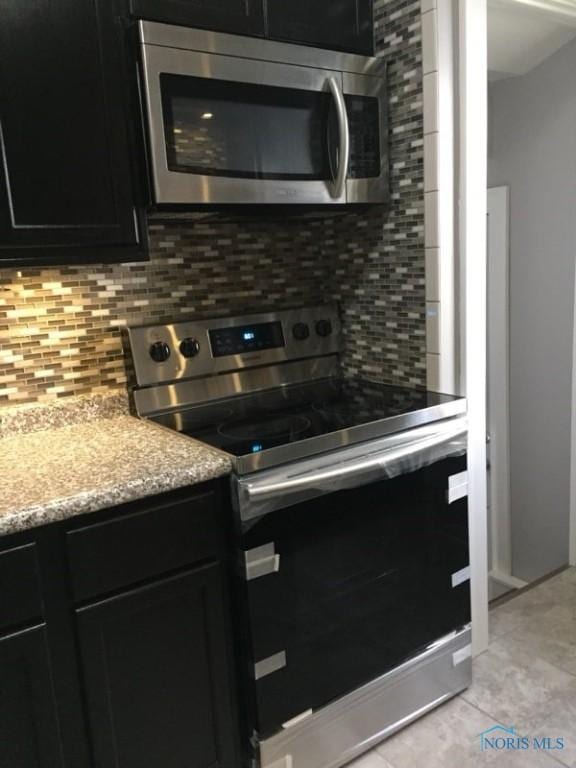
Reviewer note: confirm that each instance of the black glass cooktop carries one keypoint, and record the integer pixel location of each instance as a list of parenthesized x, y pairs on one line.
[(251, 424)]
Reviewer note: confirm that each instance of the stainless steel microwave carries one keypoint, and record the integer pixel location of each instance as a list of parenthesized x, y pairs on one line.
[(235, 120)]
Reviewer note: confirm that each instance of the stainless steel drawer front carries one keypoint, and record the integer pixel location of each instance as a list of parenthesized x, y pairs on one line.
[(339, 732)]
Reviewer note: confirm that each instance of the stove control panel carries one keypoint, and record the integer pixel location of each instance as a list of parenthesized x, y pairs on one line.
[(323, 328), (160, 351), (189, 347), (166, 353), (238, 339), (301, 331)]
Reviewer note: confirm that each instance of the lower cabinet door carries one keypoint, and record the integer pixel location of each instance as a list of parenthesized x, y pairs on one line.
[(29, 735), (156, 675)]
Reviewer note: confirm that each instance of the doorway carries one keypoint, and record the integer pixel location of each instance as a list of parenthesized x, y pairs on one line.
[(501, 578), (531, 254)]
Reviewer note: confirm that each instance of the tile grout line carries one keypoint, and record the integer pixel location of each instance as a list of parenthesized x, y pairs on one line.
[(541, 658)]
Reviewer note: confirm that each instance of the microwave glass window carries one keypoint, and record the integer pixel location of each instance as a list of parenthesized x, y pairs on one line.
[(239, 130), (364, 121)]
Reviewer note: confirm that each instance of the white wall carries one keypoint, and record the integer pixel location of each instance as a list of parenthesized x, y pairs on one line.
[(532, 148)]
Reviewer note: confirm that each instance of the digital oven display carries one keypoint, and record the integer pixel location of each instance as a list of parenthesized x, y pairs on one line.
[(246, 338)]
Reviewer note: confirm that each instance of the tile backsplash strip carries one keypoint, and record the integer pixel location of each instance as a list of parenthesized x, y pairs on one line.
[(60, 328), (377, 257)]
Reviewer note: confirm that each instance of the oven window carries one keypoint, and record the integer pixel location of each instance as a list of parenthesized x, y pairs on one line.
[(239, 130)]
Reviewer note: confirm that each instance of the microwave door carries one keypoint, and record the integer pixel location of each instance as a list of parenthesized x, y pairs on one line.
[(366, 106), (227, 130)]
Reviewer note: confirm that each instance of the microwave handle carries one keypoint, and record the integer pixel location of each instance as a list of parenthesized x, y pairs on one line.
[(344, 138)]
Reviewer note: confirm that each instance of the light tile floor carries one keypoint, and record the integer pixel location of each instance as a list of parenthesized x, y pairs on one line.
[(526, 679)]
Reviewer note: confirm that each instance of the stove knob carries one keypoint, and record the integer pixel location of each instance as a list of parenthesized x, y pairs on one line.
[(159, 351), (300, 331), (190, 347), (323, 328)]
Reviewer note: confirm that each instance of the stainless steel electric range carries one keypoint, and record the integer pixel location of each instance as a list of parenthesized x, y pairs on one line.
[(350, 527)]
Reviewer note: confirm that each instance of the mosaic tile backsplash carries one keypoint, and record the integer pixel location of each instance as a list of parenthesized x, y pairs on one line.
[(60, 328)]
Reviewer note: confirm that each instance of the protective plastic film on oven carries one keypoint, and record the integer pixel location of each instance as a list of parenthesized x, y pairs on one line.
[(387, 458)]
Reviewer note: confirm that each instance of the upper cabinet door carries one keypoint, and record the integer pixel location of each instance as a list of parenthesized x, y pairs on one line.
[(65, 179), (243, 17), (338, 24)]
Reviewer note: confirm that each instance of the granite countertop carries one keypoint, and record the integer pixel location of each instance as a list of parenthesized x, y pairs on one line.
[(102, 458)]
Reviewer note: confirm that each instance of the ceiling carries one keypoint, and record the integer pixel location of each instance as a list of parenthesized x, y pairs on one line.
[(523, 33)]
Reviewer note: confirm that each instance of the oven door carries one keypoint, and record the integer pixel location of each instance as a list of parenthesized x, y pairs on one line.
[(341, 586), (226, 129)]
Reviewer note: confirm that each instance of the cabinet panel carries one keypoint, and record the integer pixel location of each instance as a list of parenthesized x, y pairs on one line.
[(121, 552), (238, 16), (338, 24), (66, 177), (29, 736), (20, 598), (156, 675)]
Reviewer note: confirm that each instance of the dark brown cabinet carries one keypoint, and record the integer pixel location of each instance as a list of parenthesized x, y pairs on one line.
[(114, 554), (20, 594), (66, 181), (155, 669), (73, 179), (241, 17), (345, 25), (29, 729), (120, 655), (339, 24)]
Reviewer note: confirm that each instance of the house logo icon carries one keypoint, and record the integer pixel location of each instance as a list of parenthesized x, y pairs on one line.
[(498, 737)]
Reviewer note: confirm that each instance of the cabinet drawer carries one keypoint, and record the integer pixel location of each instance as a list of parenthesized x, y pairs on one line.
[(20, 596), (117, 553)]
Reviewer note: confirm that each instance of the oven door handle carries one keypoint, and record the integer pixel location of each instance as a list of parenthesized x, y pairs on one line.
[(398, 455), (339, 186)]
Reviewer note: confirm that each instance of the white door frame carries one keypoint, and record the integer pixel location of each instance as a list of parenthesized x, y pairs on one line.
[(473, 71), (455, 96), (473, 156), (500, 520), (572, 530), (498, 412)]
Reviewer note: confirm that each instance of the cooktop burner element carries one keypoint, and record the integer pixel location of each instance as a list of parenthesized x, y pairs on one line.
[(266, 427), (266, 393)]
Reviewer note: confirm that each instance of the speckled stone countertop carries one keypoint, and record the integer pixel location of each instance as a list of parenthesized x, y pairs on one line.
[(35, 417), (104, 457)]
